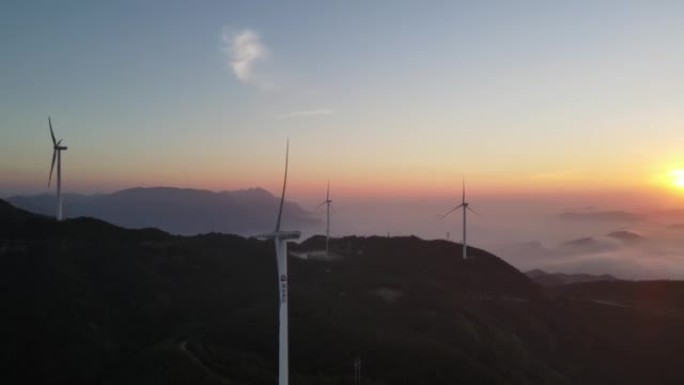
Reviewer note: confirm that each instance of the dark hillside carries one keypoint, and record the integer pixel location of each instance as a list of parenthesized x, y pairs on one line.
[(88, 302)]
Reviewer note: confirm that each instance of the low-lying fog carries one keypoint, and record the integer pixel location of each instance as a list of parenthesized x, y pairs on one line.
[(534, 233)]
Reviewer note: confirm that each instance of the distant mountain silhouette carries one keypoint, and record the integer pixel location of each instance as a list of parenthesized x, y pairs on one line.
[(602, 216), (626, 236), (614, 240), (555, 279), (535, 254), (589, 245), (176, 210), (659, 297)]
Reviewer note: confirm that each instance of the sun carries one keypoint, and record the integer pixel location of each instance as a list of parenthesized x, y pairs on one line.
[(677, 177)]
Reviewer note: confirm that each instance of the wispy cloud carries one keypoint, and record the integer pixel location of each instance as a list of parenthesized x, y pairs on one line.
[(306, 113), (244, 51)]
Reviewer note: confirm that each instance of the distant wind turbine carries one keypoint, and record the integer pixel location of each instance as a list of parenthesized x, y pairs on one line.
[(327, 203), (466, 206), (57, 149), (281, 237)]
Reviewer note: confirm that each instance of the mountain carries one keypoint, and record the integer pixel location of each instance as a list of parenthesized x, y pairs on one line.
[(176, 210), (587, 245), (85, 301), (554, 279), (626, 236), (662, 298)]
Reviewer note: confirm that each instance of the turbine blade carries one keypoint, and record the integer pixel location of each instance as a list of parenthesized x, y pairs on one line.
[(463, 179), (282, 196), (327, 194), (452, 210), (322, 203), (52, 167), (54, 141), (472, 211)]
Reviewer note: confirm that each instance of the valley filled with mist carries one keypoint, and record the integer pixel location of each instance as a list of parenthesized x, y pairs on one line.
[(550, 233), (90, 302)]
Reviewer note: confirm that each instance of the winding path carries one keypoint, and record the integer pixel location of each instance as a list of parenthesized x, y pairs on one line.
[(183, 346)]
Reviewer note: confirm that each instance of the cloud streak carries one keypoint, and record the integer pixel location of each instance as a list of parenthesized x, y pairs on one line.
[(244, 51), (610, 216), (306, 113)]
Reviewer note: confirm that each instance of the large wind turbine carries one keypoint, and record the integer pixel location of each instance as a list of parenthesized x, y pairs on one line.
[(465, 206), (281, 237), (327, 203), (57, 149)]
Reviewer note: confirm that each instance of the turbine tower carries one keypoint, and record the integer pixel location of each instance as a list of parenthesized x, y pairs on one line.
[(57, 149), (327, 203), (465, 206), (281, 237)]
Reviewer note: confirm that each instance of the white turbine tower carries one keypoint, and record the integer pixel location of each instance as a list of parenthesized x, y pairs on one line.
[(465, 206), (281, 237), (57, 149), (327, 203)]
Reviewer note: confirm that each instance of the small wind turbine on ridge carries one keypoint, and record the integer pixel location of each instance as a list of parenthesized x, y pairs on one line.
[(281, 237), (465, 206), (57, 149), (327, 203)]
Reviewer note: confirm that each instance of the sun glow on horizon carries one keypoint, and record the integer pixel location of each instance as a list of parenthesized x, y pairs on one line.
[(678, 177)]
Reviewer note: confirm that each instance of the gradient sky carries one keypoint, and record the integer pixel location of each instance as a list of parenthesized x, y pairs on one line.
[(384, 98)]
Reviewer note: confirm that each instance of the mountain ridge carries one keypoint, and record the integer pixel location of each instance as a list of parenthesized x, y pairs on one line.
[(183, 211), (545, 278)]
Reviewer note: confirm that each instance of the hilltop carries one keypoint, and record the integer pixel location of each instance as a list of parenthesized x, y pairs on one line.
[(554, 279), (91, 302)]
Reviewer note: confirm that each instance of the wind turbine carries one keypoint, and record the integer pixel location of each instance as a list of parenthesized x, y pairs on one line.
[(327, 203), (57, 149), (466, 206), (281, 237)]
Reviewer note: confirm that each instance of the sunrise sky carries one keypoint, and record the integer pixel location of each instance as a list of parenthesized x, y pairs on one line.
[(394, 99)]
